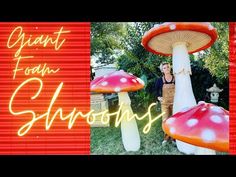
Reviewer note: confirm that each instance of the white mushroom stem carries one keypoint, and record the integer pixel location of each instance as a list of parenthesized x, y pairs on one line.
[(204, 151), (129, 128), (184, 96), (181, 68)]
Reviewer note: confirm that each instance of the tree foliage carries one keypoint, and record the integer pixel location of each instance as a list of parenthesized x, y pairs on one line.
[(208, 67), (105, 41), (216, 59)]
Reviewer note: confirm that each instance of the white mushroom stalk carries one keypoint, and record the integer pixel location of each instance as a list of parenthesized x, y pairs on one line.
[(129, 128), (182, 71), (183, 87)]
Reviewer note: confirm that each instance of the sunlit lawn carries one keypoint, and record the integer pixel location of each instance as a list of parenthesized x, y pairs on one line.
[(107, 140)]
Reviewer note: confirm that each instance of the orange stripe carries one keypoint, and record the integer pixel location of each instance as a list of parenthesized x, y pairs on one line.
[(73, 59), (232, 86)]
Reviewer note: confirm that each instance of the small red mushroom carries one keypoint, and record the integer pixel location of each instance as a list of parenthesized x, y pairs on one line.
[(97, 79), (121, 82), (205, 125), (115, 82)]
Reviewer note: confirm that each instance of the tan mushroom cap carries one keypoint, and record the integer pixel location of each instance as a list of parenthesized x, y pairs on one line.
[(197, 36), (118, 81), (205, 125)]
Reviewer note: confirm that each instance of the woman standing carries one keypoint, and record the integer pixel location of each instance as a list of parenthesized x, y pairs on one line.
[(165, 89)]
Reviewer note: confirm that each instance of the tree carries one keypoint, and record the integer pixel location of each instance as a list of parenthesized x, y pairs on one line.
[(216, 59), (105, 41), (137, 60)]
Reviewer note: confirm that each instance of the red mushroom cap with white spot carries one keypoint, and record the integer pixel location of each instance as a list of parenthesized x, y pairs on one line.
[(197, 36), (205, 125), (118, 81), (97, 79)]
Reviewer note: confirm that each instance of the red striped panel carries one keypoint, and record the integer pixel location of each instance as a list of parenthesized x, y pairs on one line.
[(232, 86), (73, 59)]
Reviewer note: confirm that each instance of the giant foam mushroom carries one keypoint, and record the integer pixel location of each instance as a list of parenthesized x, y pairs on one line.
[(205, 125), (121, 82), (180, 39), (97, 79)]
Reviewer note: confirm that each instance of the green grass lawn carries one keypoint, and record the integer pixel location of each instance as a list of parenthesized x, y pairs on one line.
[(107, 141)]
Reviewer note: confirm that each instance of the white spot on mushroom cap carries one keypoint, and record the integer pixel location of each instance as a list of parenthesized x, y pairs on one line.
[(210, 27), (93, 86), (172, 130), (203, 109), (208, 23), (104, 83), (170, 120), (133, 80), (140, 81), (227, 118), (123, 80), (208, 135), (216, 119), (172, 27), (192, 122), (201, 102), (117, 89), (216, 109)]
